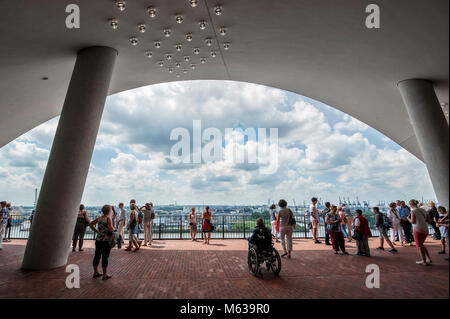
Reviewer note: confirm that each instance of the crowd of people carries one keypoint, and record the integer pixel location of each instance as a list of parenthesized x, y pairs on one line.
[(406, 225)]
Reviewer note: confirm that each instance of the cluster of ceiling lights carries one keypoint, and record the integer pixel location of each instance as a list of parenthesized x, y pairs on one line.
[(167, 32)]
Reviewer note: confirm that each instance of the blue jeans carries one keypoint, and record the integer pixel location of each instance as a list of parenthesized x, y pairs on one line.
[(344, 230)]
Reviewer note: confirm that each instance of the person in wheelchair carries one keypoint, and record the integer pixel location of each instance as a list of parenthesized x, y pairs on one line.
[(261, 238), (261, 250)]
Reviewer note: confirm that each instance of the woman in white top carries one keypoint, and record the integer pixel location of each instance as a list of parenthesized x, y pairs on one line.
[(192, 218), (133, 229), (420, 219), (397, 228)]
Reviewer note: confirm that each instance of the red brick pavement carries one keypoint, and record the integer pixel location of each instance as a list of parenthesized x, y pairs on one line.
[(185, 269)]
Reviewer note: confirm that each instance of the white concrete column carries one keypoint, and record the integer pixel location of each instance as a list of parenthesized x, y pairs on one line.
[(431, 130), (48, 245)]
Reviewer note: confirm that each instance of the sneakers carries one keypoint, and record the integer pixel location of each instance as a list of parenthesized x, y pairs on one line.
[(317, 242)]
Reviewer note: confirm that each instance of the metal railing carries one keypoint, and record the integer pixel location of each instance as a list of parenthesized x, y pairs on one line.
[(177, 227)]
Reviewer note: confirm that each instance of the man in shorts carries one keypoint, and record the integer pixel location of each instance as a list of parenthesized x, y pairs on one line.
[(314, 219), (379, 224)]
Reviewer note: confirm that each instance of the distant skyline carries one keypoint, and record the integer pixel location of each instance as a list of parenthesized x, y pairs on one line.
[(323, 152)]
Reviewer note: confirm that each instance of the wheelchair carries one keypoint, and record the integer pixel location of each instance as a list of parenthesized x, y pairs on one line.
[(270, 257)]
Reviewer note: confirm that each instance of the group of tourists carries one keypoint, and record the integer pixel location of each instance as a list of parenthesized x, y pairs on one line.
[(406, 224)]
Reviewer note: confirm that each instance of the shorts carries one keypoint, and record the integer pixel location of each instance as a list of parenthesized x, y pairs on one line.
[(314, 223), (444, 234), (383, 233), (8, 223), (419, 238)]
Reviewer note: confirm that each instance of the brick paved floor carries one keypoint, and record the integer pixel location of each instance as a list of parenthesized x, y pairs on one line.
[(185, 269)]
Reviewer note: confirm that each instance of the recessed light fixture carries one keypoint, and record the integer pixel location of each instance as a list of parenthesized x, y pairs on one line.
[(196, 51), (213, 54), (208, 42), (226, 45), (189, 37), (193, 3), (178, 75), (218, 10), (185, 71), (187, 58), (120, 4), (149, 53), (178, 18), (151, 12), (142, 27), (157, 44), (113, 23), (161, 63), (178, 47), (202, 24), (203, 60), (170, 70), (193, 66), (169, 56), (223, 31), (167, 32), (178, 65), (133, 40)]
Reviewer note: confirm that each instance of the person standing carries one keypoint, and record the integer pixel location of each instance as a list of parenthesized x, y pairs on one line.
[(420, 220), (443, 223), (133, 229), (122, 221), (285, 219), (343, 221), (404, 212), (324, 213), (147, 210), (273, 219), (382, 229), (314, 219), (193, 221), (362, 230), (397, 228), (434, 217), (80, 228), (207, 225), (102, 242), (4, 214), (348, 220), (7, 231), (335, 230)]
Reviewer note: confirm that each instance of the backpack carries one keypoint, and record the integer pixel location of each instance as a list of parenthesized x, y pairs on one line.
[(263, 239), (387, 222)]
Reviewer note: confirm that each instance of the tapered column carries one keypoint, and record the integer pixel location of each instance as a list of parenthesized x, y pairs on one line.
[(48, 245), (431, 130)]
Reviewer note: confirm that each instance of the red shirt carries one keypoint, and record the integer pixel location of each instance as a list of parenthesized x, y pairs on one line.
[(364, 226)]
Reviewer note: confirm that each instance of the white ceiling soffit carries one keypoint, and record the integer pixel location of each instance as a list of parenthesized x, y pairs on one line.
[(318, 48)]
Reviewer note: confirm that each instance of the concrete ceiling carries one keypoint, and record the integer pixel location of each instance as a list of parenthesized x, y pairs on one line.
[(317, 48)]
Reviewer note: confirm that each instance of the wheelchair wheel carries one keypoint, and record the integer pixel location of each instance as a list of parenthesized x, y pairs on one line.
[(253, 262), (276, 262)]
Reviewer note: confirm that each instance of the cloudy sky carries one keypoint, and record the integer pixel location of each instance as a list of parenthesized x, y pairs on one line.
[(321, 151)]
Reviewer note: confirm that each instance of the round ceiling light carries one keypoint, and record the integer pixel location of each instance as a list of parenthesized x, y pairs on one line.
[(178, 18), (208, 42), (189, 37), (202, 25), (142, 27), (214, 54), (178, 75), (178, 65), (161, 63), (185, 71), (178, 47), (193, 3), (151, 12), (170, 70), (133, 40), (203, 60), (187, 58), (120, 4), (193, 66), (157, 44), (223, 31), (218, 10), (196, 51), (149, 53), (226, 45), (167, 32), (169, 56), (113, 23)]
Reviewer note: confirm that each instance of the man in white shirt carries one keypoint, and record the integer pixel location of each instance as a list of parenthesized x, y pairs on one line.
[(147, 210), (314, 219)]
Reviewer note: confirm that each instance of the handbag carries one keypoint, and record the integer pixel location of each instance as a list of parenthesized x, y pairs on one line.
[(292, 220), (357, 235)]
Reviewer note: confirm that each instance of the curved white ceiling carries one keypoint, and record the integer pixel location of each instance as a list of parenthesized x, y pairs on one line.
[(317, 48)]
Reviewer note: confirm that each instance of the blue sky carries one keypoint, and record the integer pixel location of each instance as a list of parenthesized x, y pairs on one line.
[(322, 151)]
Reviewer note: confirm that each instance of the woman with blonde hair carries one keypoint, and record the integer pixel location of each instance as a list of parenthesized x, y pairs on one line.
[(420, 219)]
